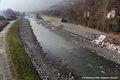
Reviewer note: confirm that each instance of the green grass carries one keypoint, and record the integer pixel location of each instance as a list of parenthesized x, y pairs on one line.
[(21, 63)]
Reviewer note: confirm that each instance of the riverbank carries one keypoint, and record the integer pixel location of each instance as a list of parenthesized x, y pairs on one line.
[(20, 62), (83, 37), (47, 67)]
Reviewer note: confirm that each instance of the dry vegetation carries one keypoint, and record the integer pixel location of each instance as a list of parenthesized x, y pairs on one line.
[(113, 38), (49, 18), (3, 24)]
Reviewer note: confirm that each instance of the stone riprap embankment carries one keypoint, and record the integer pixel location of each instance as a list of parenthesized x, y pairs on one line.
[(80, 30), (47, 68)]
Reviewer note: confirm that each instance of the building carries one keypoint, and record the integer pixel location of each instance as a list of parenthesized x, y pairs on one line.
[(115, 11), (111, 14), (86, 14)]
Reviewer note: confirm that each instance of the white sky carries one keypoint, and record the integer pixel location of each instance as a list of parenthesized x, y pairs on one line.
[(27, 5)]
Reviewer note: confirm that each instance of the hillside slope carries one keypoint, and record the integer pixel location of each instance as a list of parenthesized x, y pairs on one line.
[(103, 15)]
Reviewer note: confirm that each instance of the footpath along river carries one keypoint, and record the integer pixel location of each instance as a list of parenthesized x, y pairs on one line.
[(80, 60)]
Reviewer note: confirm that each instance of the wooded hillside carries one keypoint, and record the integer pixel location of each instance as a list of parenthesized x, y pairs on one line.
[(103, 15)]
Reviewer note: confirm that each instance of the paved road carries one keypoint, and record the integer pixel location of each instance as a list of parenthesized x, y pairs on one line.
[(4, 61)]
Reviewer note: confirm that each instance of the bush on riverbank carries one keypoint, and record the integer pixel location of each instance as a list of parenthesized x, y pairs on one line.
[(21, 63), (3, 24)]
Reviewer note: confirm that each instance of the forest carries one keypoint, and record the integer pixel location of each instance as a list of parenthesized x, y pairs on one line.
[(103, 15)]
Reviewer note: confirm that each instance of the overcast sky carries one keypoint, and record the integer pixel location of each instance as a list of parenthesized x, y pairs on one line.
[(27, 5)]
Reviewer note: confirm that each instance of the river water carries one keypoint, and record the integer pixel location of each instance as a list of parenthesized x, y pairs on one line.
[(80, 60)]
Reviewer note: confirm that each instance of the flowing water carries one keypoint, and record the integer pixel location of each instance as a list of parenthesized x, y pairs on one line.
[(82, 61)]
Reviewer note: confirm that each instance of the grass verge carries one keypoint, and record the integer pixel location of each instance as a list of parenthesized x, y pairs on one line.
[(21, 63)]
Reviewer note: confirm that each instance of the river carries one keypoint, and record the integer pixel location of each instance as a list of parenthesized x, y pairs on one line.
[(81, 61)]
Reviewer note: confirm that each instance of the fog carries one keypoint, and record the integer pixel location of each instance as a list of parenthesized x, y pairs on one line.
[(27, 5)]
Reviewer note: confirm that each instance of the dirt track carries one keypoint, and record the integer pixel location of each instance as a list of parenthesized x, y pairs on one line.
[(4, 60)]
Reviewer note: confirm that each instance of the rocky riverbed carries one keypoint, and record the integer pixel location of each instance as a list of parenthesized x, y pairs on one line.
[(47, 67)]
